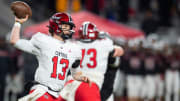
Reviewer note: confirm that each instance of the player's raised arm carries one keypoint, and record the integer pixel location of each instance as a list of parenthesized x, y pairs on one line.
[(15, 34), (22, 12), (118, 51), (22, 44)]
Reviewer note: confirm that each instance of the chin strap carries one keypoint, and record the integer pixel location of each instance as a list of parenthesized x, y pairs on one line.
[(67, 36)]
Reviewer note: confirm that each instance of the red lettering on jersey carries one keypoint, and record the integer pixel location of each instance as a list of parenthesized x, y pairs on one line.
[(83, 53), (93, 58), (53, 74), (62, 61), (66, 62)]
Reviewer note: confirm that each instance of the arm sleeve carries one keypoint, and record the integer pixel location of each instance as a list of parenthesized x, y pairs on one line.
[(27, 46), (108, 43), (107, 86)]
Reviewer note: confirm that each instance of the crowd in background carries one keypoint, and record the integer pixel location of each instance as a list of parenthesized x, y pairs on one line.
[(18, 67), (149, 70)]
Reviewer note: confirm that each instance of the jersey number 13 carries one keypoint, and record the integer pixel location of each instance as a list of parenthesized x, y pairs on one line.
[(55, 62)]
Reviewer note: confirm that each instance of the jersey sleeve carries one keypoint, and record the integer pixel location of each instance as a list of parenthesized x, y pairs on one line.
[(38, 40), (108, 44), (33, 46), (27, 46)]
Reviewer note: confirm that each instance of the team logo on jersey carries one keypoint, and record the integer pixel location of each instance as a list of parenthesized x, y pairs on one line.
[(62, 54)]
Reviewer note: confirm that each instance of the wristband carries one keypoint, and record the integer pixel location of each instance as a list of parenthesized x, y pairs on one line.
[(18, 24)]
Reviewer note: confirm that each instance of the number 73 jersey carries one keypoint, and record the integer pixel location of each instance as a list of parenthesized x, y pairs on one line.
[(95, 55)]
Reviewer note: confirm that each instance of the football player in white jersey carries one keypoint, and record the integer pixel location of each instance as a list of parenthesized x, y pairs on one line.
[(55, 54), (94, 60)]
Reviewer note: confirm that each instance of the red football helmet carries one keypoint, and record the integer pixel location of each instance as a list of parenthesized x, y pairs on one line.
[(57, 19), (88, 30)]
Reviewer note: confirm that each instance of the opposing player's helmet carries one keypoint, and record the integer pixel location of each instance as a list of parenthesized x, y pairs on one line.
[(88, 30), (56, 20)]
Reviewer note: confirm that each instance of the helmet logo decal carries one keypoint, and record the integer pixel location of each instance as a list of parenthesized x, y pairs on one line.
[(55, 17)]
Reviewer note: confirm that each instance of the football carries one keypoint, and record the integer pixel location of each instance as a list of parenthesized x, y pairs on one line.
[(21, 9)]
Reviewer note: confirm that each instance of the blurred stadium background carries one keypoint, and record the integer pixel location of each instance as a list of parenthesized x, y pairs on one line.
[(158, 21)]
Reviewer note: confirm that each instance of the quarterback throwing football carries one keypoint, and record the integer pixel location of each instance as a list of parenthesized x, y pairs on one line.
[(55, 54)]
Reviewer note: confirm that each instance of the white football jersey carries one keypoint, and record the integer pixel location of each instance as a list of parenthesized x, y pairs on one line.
[(54, 57), (95, 58)]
